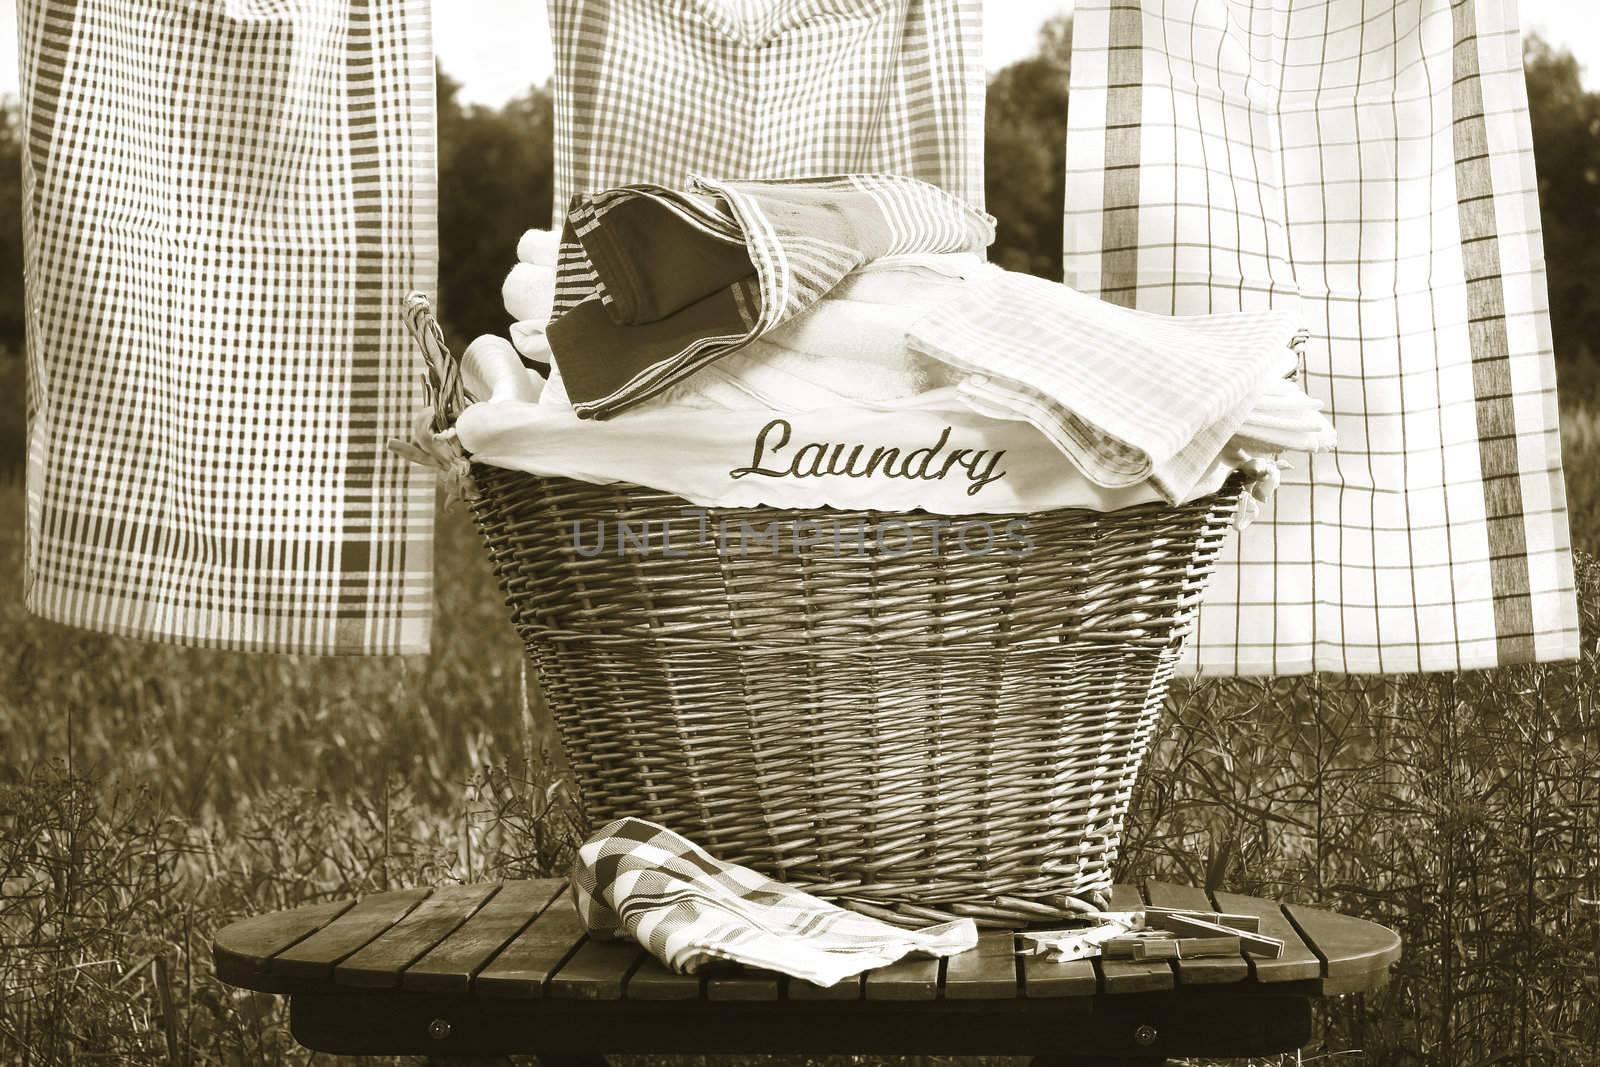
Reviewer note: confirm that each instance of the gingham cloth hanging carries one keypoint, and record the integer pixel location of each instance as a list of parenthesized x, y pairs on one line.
[(688, 909), (224, 204), (652, 90), (1368, 166)]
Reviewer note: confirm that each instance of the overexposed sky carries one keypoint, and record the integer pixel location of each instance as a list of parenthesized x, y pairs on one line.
[(494, 67), (497, 48)]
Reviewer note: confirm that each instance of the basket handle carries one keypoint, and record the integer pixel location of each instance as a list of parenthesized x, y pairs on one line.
[(441, 378)]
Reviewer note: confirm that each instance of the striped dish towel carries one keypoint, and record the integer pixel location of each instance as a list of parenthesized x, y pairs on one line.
[(225, 203), (652, 284), (1370, 168), (1126, 395), (654, 91), (643, 881)]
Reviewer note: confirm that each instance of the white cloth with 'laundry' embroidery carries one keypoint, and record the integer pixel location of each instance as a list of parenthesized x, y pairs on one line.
[(934, 454)]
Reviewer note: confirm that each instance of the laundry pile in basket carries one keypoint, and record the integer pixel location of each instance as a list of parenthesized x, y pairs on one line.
[(841, 342)]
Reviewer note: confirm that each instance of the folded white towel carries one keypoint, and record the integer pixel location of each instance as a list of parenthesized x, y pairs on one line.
[(529, 292), (849, 329), (492, 370), (530, 342), (788, 380), (555, 391), (1284, 419), (539, 248), (914, 268)]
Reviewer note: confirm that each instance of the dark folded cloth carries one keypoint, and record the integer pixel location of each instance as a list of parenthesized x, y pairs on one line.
[(644, 231), (654, 284)]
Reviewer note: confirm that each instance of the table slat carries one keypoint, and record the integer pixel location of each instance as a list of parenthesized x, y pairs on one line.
[(742, 983), (652, 981), (912, 978), (449, 966), (315, 957), (1131, 976), (1352, 949), (987, 971), (597, 971), (242, 949), (379, 963), (1043, 978), (1206, 971), (1297, 964), (524, 966), (849, 989)]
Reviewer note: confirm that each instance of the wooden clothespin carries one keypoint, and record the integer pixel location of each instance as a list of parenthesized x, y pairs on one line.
[(1254, 944), (1170, 948), (1250, 924)]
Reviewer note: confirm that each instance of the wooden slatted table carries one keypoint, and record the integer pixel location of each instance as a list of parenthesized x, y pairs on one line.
[(486, 971)]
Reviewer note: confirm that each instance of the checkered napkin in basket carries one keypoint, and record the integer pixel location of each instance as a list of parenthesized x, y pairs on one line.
[(645, 882), (653, 284), (654, 91), (1370, 167), (1124, 394), (224, 204)]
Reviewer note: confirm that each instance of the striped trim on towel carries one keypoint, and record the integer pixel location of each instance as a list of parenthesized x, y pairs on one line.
[(1340, 161)]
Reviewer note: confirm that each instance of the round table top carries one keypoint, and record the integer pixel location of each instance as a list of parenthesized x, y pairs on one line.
[(524, 939)]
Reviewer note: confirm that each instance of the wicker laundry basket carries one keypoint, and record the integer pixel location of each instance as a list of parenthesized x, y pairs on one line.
[(917, 733)]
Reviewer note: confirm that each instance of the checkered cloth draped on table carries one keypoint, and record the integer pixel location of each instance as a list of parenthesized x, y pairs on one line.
[(1369, 167), (224, 204), (687, 909), (652, 284), (652, 91)]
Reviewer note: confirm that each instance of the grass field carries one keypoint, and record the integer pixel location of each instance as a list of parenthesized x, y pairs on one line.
[(149, 794)]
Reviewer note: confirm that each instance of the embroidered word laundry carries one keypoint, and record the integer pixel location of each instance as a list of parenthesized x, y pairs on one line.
[(818, 459)]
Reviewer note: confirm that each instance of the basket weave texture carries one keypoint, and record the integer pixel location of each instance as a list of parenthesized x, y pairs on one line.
[(915, 730)]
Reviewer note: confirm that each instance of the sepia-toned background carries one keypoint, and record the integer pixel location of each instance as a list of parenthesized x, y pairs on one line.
[(150, 794)]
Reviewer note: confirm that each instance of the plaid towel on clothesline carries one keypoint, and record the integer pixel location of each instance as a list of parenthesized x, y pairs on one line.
[(647, 91), (1369, 167), (224, 203), (653, 284), (688, 909)]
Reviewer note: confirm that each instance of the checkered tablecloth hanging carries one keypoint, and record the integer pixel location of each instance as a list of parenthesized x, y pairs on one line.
[(225, 203), (1368, 166), (650, 91)]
